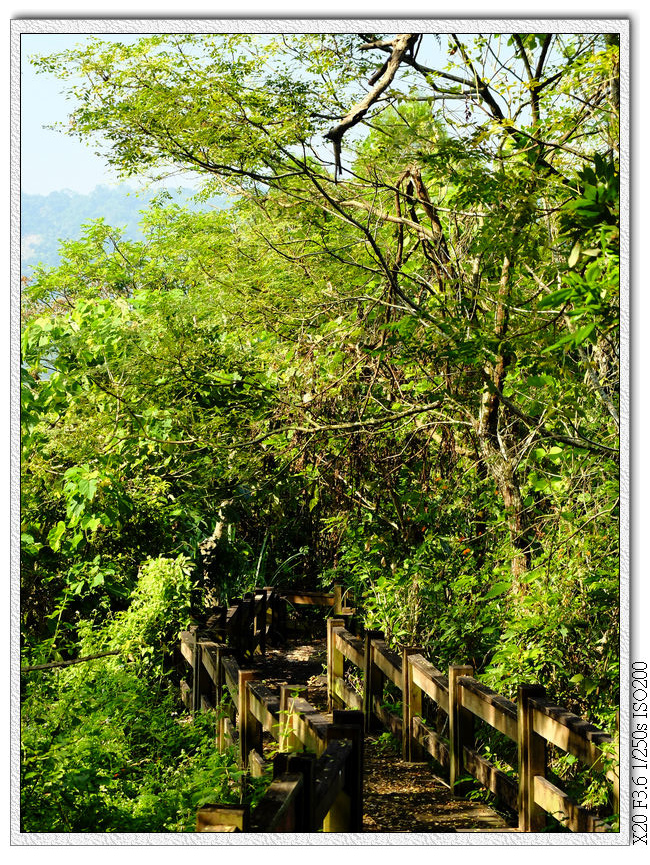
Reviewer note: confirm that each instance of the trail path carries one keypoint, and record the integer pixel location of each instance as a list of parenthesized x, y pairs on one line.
[(398, 796)]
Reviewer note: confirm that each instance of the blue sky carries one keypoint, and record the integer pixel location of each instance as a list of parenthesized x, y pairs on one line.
[(51, 160)]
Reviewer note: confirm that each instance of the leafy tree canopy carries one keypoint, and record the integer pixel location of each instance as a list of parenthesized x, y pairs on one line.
[(394, 356)]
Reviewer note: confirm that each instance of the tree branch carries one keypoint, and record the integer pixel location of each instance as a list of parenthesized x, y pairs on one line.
[(400, 46)]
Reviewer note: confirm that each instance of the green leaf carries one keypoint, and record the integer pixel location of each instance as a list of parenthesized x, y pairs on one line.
[(497, 589), (55, 534), (574, 255)]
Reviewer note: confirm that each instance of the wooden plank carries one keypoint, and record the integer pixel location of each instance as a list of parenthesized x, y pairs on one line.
[(317, 599), (570, 733), (222, 818), (347, 694), (334, 661), (346, 814), (265, 706), (250, 729), (493, 779), (489, 706), (276, 812), (209, 658), (431, 742), (230, 734), (220, 829), (329, 777), (231, 678), (556, 802), (187, 651), (232, 614), (287, 739), (430, 680), (257, 765), (349, 646), (388, 661), (309, 725)]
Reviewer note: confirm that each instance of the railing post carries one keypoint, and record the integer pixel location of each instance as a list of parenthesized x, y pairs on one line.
[(532, 760), (269, 621), (248, 624), (346, 815), (305, 765), (196, 673), (461, 726), (411, 706), (373, 678), (334, 662), (260, 623), (338, 599), (221, 652), (250, 729)]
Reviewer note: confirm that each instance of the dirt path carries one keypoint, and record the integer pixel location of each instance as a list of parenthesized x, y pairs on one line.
[(409, 797)]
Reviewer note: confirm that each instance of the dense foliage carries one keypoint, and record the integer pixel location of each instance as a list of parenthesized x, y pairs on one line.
[(104, 748), (392, 361)]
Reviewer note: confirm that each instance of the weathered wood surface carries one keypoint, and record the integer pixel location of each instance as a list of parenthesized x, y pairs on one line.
[(570, 733), (461, 725), (388, 661), (491, 707), (265, 706), (493, 779), (223, 818), (330, 777), (231, 678), (209, 657), (186, 646), (349, 646), (277, 811), (347, 694), (431, 742), (309, 725), (531, 751), (556, 802), (430, 680), (257, 765)]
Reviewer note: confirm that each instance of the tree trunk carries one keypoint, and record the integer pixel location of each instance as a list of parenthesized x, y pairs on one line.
[(499, 462)]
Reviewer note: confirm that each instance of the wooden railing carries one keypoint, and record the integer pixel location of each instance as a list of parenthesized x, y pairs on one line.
[(532, 723), (320, 787)]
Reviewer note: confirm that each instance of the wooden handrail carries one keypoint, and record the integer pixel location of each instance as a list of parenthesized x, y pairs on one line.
[(532, 722), (548, 724)]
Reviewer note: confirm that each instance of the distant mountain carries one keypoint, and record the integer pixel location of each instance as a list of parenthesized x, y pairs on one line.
[(47, 219)]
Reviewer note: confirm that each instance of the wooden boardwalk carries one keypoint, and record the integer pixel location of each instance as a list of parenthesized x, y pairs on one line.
[(275, 701), (399, 796)]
